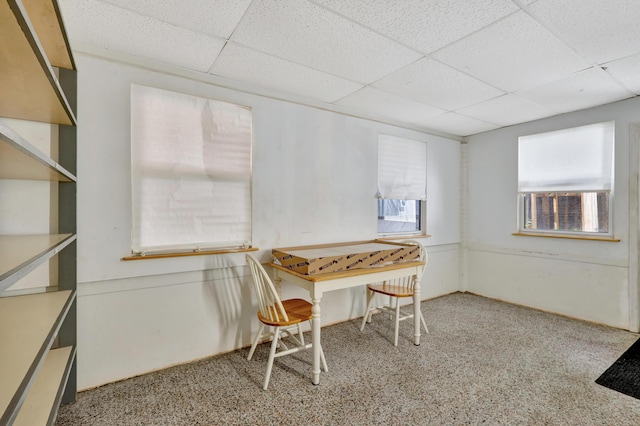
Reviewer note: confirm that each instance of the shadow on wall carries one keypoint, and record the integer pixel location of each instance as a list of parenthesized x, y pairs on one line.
[(227, 293)]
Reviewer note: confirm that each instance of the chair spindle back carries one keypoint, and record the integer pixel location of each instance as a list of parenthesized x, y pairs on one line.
[(268, 299)]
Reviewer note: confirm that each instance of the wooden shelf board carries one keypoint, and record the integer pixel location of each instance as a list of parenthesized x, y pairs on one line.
[(45, 17), (19, 159), (43, 400), (29, 87), (20, 254), (28, 326)]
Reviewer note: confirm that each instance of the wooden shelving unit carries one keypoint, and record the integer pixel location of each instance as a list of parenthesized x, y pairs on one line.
[(44, 397), (29, 86), (20, 254), (19, 159), (37, 331), (35, 320)]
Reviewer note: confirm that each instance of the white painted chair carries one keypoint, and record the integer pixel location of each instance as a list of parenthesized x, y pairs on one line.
[(396, 289), (286, 318)]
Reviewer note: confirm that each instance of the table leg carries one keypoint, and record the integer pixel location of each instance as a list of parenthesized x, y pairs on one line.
[(315, 338), (416, 310)]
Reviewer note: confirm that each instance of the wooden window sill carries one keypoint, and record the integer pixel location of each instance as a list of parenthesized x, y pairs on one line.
[(569, 237), (403, 237), (188, 253)]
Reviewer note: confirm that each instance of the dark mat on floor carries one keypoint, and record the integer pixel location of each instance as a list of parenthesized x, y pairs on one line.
[(624, 374)]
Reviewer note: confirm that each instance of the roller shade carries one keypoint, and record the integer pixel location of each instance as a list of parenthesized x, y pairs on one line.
[(191, 171), (402, 168), (579, 159)]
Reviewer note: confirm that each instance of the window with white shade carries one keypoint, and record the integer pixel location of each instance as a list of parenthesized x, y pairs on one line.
[(565, 180), (402, 185), (191, 172)]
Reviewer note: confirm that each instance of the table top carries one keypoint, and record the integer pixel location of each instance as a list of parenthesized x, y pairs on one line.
[(350, 273)]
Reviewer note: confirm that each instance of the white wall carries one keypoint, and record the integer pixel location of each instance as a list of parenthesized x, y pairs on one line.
[(314, 181), (583, 279)]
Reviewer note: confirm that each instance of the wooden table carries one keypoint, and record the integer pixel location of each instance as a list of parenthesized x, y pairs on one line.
[(316, 285)]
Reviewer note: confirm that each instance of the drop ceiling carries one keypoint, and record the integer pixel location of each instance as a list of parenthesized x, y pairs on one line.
[(455, 67)]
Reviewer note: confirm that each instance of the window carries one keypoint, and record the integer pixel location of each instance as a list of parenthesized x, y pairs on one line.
[(402, 183), (565, 180), (191, 172)]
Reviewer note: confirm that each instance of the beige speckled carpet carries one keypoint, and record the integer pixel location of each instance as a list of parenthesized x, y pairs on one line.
[(483, 362)]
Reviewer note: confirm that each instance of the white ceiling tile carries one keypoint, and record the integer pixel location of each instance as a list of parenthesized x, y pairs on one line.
[(456, 124), (506, 110), (310, 35), (582, 90), (327, 50), (379, 103), (211, 17), (513, 54), (425, 25), (626, 71), (603, 30), (278, 74), (97, 23), (433, 83)]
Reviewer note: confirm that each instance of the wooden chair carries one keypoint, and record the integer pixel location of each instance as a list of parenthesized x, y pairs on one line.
[(286, 318), (396, 289)]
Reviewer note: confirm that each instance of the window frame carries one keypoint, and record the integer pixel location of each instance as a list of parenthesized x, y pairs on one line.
[(220, 112), (408, 183), (422, 223), (522, 230), (563, 233)]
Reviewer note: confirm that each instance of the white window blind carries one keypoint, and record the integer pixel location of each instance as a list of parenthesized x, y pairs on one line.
[(402, 168), (574, 160), (191, 171)]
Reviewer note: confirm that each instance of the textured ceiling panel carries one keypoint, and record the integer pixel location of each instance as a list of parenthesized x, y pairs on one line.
[(513, 54), (626, 71), (457, 124), (304, 33), (211, 17), (506, 110), (425, 25), (106, 26), (416, 58), (379, 103), (582, 90), (278, 74), (602, 30), (433, 83)]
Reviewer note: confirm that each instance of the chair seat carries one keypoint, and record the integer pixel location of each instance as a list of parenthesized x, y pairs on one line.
[(298, 310), (391, 290)]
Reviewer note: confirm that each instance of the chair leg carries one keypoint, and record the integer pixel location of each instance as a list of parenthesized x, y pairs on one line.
[(281, 336), (424, 323), (391, 305), (395, 341), (272, 354), (255, 341), (300, 334), (367, 314), (324, 360)]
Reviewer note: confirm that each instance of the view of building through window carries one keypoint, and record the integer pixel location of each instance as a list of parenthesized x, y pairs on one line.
[(398, 216), (567, 211)]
